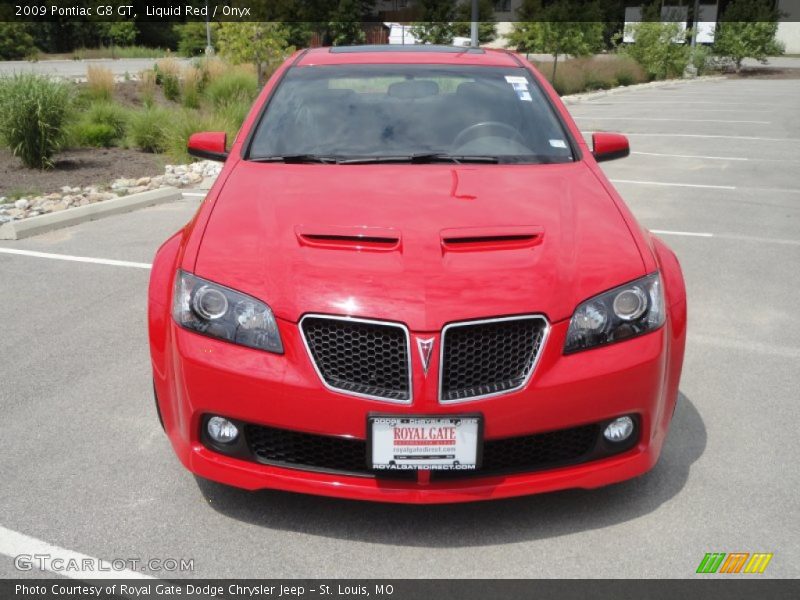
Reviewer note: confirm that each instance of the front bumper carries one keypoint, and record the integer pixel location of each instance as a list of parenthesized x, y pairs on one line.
[(205, 376)]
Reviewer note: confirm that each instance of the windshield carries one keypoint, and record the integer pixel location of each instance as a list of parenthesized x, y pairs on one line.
[(414, 113)]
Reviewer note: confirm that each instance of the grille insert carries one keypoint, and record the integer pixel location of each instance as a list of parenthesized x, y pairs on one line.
[(283, 447), (484, 358), (361, 357)]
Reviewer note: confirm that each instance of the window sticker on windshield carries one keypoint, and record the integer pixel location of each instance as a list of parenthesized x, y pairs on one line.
[(520, 85), (558, 143)]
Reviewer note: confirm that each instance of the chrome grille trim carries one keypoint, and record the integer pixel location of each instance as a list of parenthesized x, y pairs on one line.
[(536, 358), (347, 392)]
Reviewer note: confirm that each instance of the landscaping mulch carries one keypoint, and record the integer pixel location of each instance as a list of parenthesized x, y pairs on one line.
[(82, 167)]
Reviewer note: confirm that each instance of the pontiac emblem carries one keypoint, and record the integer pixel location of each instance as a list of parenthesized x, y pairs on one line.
[(425, 347)]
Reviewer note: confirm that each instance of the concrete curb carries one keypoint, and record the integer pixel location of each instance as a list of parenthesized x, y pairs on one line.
[(16, 230), (578, 98)]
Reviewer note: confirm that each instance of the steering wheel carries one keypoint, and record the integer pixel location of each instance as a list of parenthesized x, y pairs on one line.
[(468, 133)]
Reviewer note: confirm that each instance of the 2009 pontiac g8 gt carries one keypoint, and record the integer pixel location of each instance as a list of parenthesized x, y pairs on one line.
[(412, 283)]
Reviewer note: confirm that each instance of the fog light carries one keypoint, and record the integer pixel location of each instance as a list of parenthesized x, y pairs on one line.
[(221, 430), (619, 430)]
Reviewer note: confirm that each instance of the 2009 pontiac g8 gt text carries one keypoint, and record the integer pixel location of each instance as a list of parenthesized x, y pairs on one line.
[(412, 283)]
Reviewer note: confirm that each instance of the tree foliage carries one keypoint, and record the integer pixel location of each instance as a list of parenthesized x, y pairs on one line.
[(15, 41), (487, 29), (192, 38), (747, 30), (264, 44), (436, 26), (569, 27), (656, 49), (346, 24), (118, 33)]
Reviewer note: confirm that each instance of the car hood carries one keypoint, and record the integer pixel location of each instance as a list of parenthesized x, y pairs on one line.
[(420, 244)]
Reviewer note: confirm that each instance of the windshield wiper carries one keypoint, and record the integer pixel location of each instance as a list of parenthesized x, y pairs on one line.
[(297, 159), (419, 159)]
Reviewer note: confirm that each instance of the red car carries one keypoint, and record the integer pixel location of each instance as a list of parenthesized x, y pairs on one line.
[(412, 283)]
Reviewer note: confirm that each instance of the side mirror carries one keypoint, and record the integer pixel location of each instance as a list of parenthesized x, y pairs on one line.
[(608, 146), (209, 145)]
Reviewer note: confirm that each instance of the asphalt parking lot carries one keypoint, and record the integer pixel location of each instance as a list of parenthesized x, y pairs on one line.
[(715, 168)]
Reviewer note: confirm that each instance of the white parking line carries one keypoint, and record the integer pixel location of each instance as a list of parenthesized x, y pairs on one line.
[(686, 233), (692, 156), (14, 544), (681, 119), (83, 259), (698, 135), (682, 103), (669, 184)]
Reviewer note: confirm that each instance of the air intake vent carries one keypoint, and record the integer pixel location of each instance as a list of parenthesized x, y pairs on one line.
[(349, 238), (490, 238)]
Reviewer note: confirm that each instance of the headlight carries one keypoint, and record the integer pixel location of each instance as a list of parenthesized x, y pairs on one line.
[(220, 312), (624, 312)]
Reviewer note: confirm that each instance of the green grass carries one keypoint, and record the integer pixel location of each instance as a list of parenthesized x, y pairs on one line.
[(108, 52)]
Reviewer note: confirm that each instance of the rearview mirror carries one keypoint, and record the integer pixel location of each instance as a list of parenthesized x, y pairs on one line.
[(608, 146), (209, 145)]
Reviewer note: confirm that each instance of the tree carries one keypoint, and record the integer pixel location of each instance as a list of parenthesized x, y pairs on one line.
[(747, 30), (345, 26), (263, 44), (119, 33), (569, 27), (436, 26), (656, 49), (15, 41), (487, 29), (192, 38)]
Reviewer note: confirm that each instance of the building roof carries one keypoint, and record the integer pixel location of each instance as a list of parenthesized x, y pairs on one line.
[(399, 54)]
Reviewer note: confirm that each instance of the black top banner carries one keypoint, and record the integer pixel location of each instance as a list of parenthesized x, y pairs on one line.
[(376, 11)]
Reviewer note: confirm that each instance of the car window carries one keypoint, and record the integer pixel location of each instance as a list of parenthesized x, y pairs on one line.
[(397, 110)]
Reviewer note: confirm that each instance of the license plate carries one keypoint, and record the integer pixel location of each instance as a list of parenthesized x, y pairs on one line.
[(433, 443)]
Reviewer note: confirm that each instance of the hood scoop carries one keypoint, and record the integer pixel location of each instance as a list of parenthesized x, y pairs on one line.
[(471, 239), (374, 239)]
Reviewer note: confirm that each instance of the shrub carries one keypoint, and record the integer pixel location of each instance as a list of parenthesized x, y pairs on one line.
[(33, 114), (232, 87), (233, 115), (109, 114), (96, 135), (149, 129), (212, 69), (185, 124), (147, 87), (99, 82), (168, 73), (656, 50), (190, 87), (15, 41)]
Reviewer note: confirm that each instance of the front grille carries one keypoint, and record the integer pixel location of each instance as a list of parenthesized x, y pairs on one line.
[(306, 450), (283, 447), (483, 358), (532, 452), (522, 454), (360, 357)]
